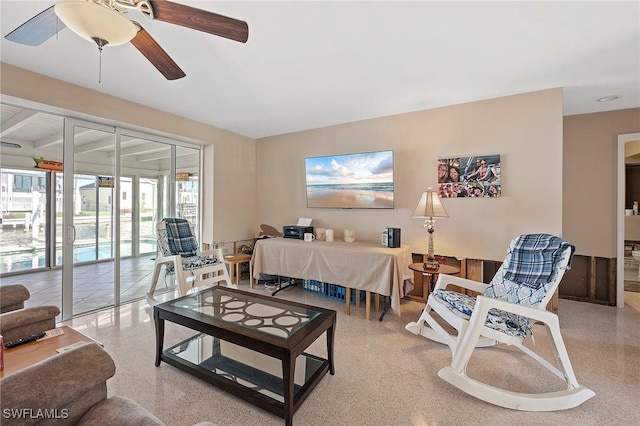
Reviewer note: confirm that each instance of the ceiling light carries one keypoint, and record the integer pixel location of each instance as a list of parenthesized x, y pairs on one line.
[(96, 23), (608, 98)]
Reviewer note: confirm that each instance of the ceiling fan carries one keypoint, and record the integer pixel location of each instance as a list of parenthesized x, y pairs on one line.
[(104, 22)]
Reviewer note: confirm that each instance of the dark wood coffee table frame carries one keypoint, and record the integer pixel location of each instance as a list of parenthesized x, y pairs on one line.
[(285, 349)]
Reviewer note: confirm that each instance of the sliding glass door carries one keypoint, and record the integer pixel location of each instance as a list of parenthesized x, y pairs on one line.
[(90, 257), (85, 216), (187, 185), (148, 160), (149, 213), (23, 219)]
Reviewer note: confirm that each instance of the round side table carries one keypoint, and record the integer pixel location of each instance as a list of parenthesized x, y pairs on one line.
[(422, 294)]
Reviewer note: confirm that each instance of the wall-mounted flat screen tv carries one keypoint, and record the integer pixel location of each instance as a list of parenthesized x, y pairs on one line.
[(350, 181)]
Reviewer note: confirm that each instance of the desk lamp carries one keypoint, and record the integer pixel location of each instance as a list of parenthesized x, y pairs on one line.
[(430, 207)]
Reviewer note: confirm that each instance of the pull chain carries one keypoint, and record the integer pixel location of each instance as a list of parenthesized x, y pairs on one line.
[(101, 43), (100, 65)]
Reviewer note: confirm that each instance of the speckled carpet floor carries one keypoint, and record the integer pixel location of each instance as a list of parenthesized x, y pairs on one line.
[(386, 375)]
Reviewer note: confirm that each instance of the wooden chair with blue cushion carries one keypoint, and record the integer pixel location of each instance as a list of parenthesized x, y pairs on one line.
[(503, 312), (179, 253)]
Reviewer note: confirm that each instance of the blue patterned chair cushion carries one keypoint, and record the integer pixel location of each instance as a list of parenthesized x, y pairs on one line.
[(510, 291), (181, 240), (462, 305), (532, 258), (195, 262)]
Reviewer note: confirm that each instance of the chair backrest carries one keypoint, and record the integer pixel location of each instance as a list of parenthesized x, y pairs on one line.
[(175, 237), (532, 270)]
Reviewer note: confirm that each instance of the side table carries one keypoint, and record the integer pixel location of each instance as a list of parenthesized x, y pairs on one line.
[(25, 355), (431, 275), (234, 261)]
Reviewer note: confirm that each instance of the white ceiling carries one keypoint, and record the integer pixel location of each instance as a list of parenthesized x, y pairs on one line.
[(313, 64)]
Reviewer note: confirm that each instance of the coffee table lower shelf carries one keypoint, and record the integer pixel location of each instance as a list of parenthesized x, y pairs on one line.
[(224, 365)]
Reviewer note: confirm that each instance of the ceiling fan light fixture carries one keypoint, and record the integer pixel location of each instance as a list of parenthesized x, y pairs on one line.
[(93, 22)]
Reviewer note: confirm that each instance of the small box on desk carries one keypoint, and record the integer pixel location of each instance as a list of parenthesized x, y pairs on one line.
[(393, 237), (296, 232)]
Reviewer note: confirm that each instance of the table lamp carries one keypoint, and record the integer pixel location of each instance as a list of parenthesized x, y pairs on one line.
[(430, 207)]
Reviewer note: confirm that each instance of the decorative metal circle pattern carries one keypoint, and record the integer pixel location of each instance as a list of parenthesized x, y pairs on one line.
[(252, 322), (235, 304), (232, 317), (287, 320), (268, 319), (257, 310)]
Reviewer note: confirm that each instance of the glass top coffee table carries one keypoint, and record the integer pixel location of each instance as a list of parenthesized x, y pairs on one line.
[(249, 345)]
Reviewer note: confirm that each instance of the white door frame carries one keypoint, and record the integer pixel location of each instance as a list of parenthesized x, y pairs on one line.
[(622, 140)]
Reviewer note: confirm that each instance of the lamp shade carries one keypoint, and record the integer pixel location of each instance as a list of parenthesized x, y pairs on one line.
[(96, 23), (429, 206)]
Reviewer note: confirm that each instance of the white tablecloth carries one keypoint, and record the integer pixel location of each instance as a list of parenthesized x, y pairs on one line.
[(358, 265)]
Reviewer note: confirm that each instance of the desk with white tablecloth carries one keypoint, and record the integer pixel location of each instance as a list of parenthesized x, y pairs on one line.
[(358, 265)]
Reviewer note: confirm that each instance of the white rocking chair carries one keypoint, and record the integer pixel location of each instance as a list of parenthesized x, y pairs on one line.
[(180, 255), (519, 291)]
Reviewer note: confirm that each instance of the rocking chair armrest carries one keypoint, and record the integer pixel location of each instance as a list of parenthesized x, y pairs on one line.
[(483, 304), (175, 258), (444, 280), (208, 253)]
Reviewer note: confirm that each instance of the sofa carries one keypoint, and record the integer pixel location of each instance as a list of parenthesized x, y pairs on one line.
[(16, 321), (69, 388)]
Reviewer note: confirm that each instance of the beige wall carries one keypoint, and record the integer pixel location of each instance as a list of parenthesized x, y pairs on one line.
[(526, 130), (229, 171), (264, 182), (590, 178)]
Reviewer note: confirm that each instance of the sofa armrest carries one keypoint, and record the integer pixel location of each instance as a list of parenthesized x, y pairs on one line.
[(25, 322), (70, 383), (118, 410), (12, 297)]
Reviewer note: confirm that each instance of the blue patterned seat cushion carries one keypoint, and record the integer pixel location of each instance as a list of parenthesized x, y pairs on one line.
[(539, 260), (177, 239), (181, 240), (196, 262), (462, 305)]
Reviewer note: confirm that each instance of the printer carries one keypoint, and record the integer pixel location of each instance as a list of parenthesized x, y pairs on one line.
[(296, 231)]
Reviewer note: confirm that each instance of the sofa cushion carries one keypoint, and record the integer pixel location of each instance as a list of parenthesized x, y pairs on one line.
[(118, 410)]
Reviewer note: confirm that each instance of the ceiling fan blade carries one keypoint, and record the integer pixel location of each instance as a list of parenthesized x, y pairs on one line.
[(156, 55), (201, 20), (38, 29), (4, 144)]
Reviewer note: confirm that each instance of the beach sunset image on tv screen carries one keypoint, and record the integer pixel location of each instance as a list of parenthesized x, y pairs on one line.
[(351, 181)]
